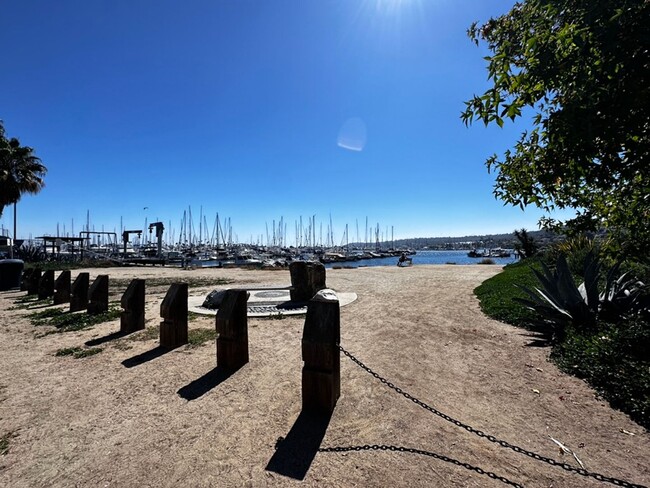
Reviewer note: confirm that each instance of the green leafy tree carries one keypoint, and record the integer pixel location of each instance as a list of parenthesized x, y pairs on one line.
[(582, 68), (20, 171)]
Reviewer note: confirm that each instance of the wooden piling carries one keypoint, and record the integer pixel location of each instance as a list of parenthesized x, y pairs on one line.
[(46, 285), (98, 295), (321, 372), (307, 278), (62, 288), (79, 293), (34, 280), (232, 330), (132, 318), (173, 310), (24, 282)]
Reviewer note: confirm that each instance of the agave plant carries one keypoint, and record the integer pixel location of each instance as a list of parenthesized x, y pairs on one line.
[(30, 254), (621, 296), (559, 302)]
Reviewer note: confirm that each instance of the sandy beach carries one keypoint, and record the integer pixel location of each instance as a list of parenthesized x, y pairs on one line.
[(126, 417)]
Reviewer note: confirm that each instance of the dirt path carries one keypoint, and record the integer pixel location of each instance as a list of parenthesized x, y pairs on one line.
[(166, 421)]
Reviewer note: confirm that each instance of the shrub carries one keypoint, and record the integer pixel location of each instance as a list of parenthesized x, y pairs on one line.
[(559, 303), (575, 249), (30, 254)]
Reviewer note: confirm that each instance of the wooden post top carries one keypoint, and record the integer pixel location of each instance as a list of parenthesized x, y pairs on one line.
[(134, 294), (174, 305)]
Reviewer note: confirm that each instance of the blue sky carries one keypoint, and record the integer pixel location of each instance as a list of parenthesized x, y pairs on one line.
[(256, 110)]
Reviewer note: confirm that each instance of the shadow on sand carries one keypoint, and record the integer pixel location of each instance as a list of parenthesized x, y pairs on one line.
[(145, 357), (107, 338), (295, 453), (205, 383)]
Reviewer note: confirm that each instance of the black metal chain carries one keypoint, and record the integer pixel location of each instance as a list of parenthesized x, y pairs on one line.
[(489, 437), (412, 450)]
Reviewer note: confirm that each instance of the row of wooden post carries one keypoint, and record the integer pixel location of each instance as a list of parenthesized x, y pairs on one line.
[(321, 373), (80, 294), (321, 334)]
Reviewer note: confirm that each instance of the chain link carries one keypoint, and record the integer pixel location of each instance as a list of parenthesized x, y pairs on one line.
[(491, 438), (412, 450)]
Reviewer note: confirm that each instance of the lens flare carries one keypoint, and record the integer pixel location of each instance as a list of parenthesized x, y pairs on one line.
[(352, 135)]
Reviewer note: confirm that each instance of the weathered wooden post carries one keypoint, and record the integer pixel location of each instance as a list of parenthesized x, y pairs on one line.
[(62, 288), (24, 282), (132, 302), (11, 273), (79, 292), (46, 285), (173, 310), (98, 295), (321, 373), (232, 330), (34, 280), (307, 278)]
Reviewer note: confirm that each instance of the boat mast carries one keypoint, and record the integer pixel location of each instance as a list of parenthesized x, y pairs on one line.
[(366, 239), (201, 225)]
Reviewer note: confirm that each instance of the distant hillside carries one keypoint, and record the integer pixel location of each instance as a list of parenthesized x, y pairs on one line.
[(507, 241)]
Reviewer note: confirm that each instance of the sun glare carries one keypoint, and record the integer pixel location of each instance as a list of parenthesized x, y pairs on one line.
[(392, 5)]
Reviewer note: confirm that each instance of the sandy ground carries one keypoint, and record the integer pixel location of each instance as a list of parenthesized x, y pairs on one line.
[(168, 421)]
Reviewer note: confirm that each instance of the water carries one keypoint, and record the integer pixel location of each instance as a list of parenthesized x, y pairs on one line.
[(426, 257), (422, 257)]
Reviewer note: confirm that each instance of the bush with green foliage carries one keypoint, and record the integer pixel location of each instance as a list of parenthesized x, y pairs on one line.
[(30, 254), (559, 303), (576, 249)]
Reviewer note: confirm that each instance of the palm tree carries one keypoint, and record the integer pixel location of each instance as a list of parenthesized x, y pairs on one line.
[(526, 246), (20, 172)]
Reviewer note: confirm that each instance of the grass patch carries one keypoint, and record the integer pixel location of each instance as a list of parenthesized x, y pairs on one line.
[(31, 301), (4, 442), (26, 299), (148, 334), (197, 337), (79, 352), (71, 265), (64, 321), (496, 294)]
